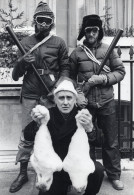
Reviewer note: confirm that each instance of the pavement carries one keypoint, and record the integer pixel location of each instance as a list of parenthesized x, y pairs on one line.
[(9, 171)]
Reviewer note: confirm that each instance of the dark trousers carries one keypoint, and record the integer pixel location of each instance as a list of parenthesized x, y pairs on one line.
[(106, 120), (110, 150), (61, 182)]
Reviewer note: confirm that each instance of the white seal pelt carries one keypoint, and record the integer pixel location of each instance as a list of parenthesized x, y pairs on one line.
[(78, 163), (44, 159)]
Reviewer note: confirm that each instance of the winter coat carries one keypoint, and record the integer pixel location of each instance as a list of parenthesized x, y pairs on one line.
[(52, 56), (82, 68), (61, 130)]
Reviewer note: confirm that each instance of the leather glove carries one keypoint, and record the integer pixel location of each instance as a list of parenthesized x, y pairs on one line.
[(25, 61), (81, 99), (28, 58), (97, 80)]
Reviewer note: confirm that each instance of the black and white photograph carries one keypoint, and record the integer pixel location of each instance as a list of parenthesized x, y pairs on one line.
[(67, 97)]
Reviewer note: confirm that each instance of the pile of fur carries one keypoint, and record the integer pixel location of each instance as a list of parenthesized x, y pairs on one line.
[(44, 159)]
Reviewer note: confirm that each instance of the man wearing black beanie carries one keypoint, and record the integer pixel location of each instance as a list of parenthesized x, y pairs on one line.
[(85, 63)]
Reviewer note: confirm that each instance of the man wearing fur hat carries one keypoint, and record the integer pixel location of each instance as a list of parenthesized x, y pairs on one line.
[(85, 62), (50, 59)]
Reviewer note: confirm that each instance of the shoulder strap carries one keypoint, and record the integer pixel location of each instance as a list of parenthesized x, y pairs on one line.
[(38, 44), (93, 58)]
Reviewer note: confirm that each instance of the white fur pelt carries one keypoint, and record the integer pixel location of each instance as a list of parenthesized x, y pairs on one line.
[(78, 163), (44, 159)]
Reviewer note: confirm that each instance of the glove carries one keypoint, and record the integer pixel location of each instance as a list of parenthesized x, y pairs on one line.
[(25, 61), (97, 80), (81, 100), (28, 58)]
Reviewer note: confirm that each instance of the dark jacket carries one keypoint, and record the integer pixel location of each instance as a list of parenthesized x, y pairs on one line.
[(61, 130), (52, 56), (82, 68)]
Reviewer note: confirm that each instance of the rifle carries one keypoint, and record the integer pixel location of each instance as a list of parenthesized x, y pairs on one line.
[(110, 49), (22, 50)]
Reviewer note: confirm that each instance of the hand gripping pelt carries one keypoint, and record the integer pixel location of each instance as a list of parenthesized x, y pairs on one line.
[(44, 159), (78, 163)]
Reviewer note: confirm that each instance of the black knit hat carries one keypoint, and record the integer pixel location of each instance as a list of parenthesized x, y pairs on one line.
[(91, 20), (43, 9)]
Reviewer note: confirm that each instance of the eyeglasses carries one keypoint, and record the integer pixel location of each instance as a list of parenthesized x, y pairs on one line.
[(93, 29), (44, 20)]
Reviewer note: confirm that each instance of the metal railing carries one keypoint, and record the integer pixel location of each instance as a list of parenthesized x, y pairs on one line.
[(130, 123)]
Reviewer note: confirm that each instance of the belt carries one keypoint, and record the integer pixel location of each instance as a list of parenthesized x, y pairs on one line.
[(41, 71)]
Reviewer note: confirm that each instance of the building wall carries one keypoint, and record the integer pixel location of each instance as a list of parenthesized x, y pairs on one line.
[(10, 123), (61, 19)]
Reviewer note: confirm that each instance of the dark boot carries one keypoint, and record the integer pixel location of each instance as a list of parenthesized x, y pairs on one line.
[(21, 179)]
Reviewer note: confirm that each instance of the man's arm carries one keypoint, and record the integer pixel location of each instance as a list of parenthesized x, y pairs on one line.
[(17, 70), (64, 60), (22, 65), (117, 69), (73, 65), (96, 137)]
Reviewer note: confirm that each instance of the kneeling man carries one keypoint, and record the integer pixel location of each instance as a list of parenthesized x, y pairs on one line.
[(62, 126)]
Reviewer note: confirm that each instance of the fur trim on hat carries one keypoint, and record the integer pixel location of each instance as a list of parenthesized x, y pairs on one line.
[(91, 20)]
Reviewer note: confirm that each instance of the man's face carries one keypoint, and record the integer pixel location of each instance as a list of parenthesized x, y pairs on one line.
[(43, 24), (91, 34), (65, 101)]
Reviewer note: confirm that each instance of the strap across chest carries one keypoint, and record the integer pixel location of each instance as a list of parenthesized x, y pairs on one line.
[(93, 58)]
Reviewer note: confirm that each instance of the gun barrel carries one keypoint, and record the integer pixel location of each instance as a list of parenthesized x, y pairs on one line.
[(110, 49), (14, 37)]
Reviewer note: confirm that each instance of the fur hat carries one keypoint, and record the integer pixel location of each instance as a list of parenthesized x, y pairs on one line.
[(65, 85), (43, 9), (91, 20)]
